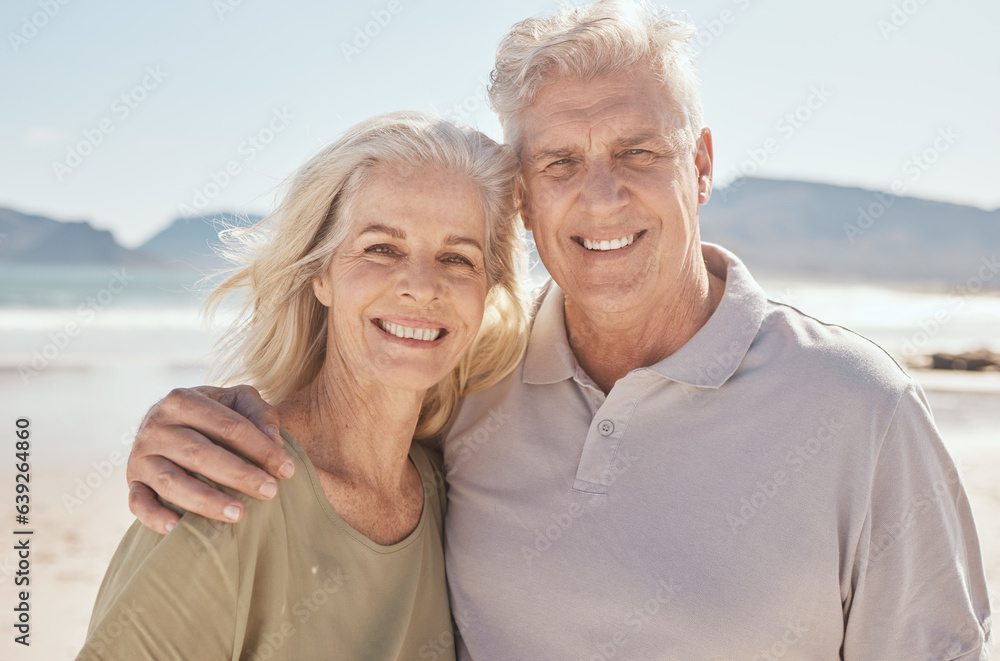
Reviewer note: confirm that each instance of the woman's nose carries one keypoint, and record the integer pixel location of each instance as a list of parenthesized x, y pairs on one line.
[(419, 281)]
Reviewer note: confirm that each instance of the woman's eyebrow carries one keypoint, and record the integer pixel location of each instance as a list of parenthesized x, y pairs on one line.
[(394, 232), (454, 239), (397, 233)]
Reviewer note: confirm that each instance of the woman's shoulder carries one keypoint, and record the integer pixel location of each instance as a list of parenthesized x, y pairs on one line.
[(259, 516)]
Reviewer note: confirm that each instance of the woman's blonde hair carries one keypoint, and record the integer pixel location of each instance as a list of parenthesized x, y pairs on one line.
[(278, 340)]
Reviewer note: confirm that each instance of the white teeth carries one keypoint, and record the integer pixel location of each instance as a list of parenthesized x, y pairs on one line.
[(609, 245), (424, 334)]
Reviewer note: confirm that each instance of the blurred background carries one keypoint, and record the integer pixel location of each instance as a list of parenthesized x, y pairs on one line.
[(855, 174)]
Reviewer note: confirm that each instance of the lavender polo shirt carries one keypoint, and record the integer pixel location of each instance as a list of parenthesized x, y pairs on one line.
[(774, 489)]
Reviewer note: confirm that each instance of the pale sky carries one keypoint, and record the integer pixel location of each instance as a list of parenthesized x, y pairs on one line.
[(183, 86)]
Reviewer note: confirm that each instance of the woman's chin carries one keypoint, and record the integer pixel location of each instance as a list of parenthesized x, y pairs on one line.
[(418, 378)]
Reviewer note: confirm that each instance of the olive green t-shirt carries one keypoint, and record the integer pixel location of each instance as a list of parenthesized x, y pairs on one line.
[(292, 580)]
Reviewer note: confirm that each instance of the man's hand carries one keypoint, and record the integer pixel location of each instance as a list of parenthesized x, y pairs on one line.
[(199, 429)]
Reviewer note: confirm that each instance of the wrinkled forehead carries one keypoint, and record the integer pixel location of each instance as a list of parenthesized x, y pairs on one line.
[(616, 108)]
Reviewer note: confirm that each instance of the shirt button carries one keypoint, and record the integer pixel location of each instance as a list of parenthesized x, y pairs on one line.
[(606, 427)]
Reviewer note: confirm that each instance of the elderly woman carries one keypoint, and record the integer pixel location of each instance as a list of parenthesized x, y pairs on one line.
[(364, 299)]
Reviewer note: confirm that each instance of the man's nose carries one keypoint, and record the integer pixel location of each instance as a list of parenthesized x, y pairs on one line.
[(603, 190)]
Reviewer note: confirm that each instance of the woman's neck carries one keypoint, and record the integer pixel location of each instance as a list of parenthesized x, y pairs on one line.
[(358, 433), (358, 438)]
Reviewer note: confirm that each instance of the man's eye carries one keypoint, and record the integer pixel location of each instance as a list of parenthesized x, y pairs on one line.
[(635, 152)]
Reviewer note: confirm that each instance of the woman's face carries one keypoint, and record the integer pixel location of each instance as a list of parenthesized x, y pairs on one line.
[(406, 289)]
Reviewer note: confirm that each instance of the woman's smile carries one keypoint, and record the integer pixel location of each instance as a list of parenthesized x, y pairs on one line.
[(423, 335)]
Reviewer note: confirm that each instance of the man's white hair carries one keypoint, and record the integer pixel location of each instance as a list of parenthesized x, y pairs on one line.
[(598, 39)]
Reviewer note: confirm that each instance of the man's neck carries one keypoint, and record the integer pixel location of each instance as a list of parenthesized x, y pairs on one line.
[(609, 346)]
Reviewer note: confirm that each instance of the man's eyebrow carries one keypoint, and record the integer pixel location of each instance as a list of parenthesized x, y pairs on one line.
[(550, 154), (675, 141), (384, 229)]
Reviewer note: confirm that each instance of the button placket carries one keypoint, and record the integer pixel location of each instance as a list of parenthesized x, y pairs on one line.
[(606, 431)]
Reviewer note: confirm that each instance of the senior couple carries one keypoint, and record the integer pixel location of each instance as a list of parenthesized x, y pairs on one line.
[(651, 460)]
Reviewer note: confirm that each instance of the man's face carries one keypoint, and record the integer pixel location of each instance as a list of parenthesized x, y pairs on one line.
[(611, 190)]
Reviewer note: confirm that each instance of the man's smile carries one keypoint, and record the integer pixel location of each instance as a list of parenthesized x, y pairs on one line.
[(604, 245)]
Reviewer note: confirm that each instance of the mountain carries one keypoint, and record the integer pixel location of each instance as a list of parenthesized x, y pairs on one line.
[(190, 241), (783, 229), (186, 244), (27, 239), (819, 231)]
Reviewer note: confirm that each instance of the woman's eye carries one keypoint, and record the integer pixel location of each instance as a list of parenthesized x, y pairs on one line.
[(459, 259), (380, 249), (561, 161)]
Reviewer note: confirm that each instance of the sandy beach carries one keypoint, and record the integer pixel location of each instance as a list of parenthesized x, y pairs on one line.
[(80, 510)]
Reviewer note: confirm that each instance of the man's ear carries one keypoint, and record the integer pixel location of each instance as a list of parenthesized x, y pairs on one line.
[(703, 159), (321, 288), (521, 206)]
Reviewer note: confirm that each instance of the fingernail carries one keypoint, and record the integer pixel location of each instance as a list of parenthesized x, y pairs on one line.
[(232, 512), (273, 432), (287, 469), (268, 489), (170, 525)]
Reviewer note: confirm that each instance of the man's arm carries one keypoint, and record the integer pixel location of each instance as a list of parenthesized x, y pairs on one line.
[(205, 430), (918, 587)]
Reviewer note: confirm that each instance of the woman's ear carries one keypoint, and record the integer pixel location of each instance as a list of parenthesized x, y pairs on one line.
[(321, 287)]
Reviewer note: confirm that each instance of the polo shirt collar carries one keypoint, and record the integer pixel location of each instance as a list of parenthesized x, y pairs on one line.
[(707, 360), (549, 358)]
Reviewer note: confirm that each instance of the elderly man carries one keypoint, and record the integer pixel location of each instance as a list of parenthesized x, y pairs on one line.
[(679, 468)]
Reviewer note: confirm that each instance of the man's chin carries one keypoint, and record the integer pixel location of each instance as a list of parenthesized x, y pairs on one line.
[(622, 296)]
